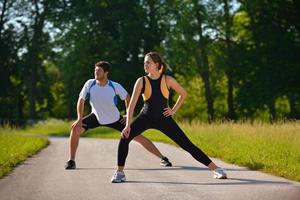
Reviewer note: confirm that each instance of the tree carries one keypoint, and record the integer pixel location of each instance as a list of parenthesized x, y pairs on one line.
[(275, 42)]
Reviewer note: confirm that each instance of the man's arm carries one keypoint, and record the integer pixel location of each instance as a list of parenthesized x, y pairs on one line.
[(127, 100), (80, 110), (80, 107)]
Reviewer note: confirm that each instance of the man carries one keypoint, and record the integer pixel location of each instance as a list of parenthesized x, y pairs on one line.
[(103, 94)]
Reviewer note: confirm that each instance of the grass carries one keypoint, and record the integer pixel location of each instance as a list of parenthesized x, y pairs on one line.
[(51, 126), (272, 148), (15, 148)]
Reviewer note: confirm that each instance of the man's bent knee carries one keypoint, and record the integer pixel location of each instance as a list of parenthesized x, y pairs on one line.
[(76, 132)]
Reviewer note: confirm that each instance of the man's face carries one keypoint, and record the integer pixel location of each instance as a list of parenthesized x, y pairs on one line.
[(100, 74)]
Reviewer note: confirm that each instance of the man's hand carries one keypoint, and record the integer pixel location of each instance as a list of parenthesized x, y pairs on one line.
[(77, 125), (126, 131)]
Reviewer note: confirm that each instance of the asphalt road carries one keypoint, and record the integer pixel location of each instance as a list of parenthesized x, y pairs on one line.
[(43, 177)]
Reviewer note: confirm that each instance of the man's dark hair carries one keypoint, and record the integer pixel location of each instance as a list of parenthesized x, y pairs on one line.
[(104, 65)]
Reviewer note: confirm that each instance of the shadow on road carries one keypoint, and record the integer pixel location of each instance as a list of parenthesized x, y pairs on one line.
[(176, 167), (230, 181)]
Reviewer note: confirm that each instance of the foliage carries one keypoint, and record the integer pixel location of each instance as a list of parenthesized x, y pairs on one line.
[(242, 49)]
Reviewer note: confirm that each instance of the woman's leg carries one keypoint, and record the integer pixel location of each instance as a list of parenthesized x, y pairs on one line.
[(170, 128), (139, 125)]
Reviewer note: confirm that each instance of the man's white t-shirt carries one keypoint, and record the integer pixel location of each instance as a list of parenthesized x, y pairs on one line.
[(102, 100)]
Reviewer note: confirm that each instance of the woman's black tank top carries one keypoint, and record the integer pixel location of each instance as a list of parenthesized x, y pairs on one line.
[(155, 104)]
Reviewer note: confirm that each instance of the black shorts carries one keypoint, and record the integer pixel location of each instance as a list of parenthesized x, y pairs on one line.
[(90, 121)]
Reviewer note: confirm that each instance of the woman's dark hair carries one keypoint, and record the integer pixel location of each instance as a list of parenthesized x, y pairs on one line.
[(162, 67), (104, 65)]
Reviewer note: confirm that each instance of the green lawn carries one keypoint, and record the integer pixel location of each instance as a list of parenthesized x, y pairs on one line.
[(15, 148), (272, 148)]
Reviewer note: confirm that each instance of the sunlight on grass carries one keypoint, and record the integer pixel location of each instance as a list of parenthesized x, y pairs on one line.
[(14, 149), (50, 127), (271, 148)]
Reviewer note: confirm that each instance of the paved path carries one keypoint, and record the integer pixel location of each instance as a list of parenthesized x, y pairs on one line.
[(43, 177)]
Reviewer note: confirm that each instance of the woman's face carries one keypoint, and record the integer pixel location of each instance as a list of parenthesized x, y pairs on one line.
[(150, 65)]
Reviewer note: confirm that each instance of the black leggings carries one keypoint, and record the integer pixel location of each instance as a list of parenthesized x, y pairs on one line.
[(166, 125)]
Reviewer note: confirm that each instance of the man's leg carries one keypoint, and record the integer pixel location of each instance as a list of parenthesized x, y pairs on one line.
[(89, 121), (73, 142), (147, 144)]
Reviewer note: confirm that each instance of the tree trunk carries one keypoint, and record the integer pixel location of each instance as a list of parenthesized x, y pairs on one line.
[(33, 62), (229, 71), (20, 115), (272, 110), (208, 97), (2, 17), (296, 5), (203, 67), (154, 37), (294, 113)]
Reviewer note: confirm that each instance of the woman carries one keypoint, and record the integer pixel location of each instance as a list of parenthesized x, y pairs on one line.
[(156, 114)]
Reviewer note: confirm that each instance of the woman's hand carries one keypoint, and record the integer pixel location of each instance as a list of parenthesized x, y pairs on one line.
[(125, 132), (168, 112), (123, 120)]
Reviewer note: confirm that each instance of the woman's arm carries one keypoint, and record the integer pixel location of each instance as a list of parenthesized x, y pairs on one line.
[(135, 96), (127, 100), (173, 84)]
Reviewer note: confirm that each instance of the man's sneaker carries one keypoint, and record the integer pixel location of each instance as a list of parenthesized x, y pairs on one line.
[(118, 177), (70, 165), (165, 162), (219, 173)]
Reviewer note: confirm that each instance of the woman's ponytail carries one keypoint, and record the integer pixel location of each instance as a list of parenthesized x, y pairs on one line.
[(163, 68)]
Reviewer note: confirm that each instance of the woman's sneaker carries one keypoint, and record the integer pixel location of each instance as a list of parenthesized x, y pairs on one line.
[(165, 162), (70, 165), (219, 173), (118, 177)]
